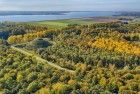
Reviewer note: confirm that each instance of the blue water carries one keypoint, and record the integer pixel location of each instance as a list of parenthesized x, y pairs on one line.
[(68, 15)]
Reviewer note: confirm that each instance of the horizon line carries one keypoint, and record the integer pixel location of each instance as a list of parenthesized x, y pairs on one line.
[(65, 11)]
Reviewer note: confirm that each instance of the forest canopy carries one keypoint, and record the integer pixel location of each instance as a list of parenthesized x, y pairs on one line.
[(104, 59)]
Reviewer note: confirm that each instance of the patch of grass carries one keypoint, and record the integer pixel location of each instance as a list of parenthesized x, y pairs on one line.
[(64, 23), (53, 23), (80, 21), (75, 21)]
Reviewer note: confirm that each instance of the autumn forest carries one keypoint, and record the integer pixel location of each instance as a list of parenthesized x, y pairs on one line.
[(99, 58)]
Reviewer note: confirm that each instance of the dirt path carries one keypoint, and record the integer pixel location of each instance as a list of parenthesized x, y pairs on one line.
[(39, 59)]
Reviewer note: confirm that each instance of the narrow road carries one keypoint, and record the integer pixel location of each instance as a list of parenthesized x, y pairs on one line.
[(39, 59)]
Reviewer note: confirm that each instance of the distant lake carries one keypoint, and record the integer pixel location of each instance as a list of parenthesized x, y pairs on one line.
[(40, 16)]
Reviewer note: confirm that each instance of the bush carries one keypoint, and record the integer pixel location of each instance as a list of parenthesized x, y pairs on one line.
[(60, 88), (128, 76), (33, 86)]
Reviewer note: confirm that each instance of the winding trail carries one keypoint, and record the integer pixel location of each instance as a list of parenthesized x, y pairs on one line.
[(39, 59)]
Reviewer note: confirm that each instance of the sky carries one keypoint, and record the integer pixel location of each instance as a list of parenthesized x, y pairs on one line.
[(69, 5)]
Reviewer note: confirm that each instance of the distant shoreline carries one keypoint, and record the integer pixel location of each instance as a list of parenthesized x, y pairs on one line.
[(31, 16), (27, 16), (118, 13), (8, 13)]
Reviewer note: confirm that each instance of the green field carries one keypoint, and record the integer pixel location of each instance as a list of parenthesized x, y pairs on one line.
[(65, 22)]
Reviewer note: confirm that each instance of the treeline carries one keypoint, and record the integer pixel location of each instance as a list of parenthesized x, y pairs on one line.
[(26, 37), (7, 29)]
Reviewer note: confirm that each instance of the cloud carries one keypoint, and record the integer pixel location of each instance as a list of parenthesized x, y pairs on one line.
[(97, 5)]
